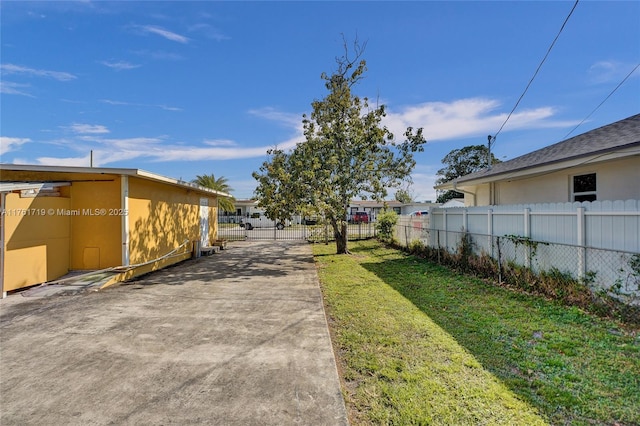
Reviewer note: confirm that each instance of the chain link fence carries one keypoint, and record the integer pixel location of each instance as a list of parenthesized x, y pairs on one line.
[(603, 281)]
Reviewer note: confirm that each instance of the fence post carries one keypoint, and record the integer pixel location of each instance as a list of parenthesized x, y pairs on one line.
[(581, 242), (326, 233), (446, 230), (499, 260), (490, 231), (465, 220), (527, 234), (406, 236)]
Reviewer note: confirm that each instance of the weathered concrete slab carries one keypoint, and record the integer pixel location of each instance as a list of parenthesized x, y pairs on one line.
[(239, 338)]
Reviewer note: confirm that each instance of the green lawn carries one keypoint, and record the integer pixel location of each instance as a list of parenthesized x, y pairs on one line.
[(419, 344)]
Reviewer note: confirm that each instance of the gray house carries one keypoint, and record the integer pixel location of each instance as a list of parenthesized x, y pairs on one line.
[(602, 164)]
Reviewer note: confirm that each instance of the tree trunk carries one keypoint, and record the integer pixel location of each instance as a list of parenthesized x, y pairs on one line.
[(340, 232)]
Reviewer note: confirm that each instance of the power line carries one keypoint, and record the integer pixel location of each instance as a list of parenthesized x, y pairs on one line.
[(605, 99), (538, 69)]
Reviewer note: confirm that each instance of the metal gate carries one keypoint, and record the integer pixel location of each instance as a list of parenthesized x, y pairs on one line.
[(232, 228)]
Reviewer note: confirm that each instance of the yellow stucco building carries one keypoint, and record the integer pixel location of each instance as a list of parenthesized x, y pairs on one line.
[(60, 219)]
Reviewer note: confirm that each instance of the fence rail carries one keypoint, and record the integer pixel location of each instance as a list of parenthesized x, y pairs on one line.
[(318, 232), (600, 224)]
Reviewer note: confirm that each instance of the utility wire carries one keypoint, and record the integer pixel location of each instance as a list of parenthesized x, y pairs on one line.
[(538, 69), (605, 100)]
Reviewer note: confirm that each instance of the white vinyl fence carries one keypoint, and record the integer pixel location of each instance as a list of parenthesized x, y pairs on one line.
[(599, 240), (613, 225)]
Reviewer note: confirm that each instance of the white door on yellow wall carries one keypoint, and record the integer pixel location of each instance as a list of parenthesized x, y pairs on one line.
[(204, 222)]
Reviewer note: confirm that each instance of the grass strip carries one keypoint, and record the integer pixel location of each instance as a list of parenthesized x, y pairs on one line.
[(418, 344)]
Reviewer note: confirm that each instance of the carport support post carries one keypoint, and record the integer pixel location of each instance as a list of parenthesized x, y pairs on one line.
[(124, 218), (2, 209)]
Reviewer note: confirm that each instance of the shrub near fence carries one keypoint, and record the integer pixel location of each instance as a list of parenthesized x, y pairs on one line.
[(609, 287)]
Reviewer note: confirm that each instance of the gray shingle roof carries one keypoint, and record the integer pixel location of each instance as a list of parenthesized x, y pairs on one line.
[(621, 134)]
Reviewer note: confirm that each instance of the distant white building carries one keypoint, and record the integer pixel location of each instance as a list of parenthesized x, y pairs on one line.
[(375, 207), (454, 202), (245, 208)]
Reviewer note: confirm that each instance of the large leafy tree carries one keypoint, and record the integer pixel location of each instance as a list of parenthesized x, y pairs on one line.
[(220, 184), (460, 162), (347, 153), (403, 196)]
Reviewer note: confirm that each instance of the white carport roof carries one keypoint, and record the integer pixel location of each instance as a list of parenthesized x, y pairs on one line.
[(22, 186), (107, 170)]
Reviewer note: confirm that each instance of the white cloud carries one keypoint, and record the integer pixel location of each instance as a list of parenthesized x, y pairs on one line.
[(93, 129), (164, 33), (19, 161), (285, 118), (107, 151), (614, 72), (219, 142), (9, 88), (71, 101), (11, 144), (18, 69), (604, 72), (77, 161), (209, 32), (134, 144), (120, 65), (159, 55), (441, 121), (465, 118), (193, 153), (164, 107), (154, 149)]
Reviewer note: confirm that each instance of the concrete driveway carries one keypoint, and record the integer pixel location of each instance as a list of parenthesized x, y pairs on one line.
[(237, 338)]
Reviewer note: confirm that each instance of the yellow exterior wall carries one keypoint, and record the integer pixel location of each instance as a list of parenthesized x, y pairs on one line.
[(36, 244), (86, 231), (161, 218), (96, 241)]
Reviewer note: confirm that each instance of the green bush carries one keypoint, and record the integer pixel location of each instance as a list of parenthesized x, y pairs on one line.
[(385, 225), (416, 247)]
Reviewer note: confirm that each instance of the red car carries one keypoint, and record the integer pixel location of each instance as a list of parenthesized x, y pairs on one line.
[(360, 217)]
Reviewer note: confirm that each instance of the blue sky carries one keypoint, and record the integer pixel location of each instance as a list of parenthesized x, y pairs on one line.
[(185, 88)]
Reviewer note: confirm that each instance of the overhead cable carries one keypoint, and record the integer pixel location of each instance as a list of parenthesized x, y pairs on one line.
[(538, 69), (605, 99)]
